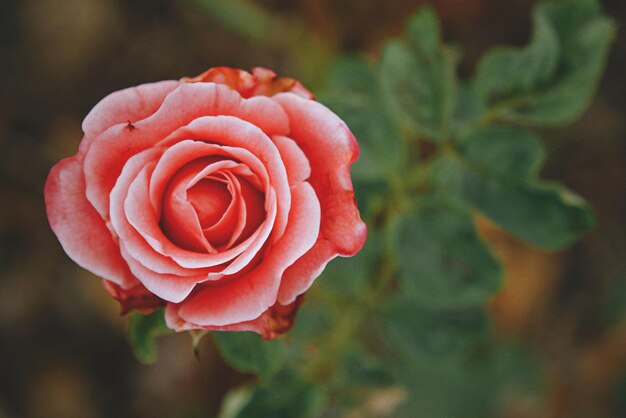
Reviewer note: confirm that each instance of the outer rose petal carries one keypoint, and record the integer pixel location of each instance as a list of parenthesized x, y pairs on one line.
[(272, 323), (136, 298), (296, 163), (331, 148), (247, 297), (268, 84), (168, 287), (80, 230), (124, 106), (262, 81)]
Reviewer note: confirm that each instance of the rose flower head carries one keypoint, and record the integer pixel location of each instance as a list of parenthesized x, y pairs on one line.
[(220, 197)]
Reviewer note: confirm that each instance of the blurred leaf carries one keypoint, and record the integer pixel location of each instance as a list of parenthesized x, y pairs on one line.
[(544, 214), (422, 332), (419, 79), (354, 94), (441, 261), (350, 275), (286, 397), (142, 332), (507, 152), (372, 196), (359, 368), (496, 174), (506, 72), (531, 88), (247, 352), (468, 108), (474, 388)]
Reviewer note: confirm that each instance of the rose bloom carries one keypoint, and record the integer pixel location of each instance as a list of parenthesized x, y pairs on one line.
[(220, 197)]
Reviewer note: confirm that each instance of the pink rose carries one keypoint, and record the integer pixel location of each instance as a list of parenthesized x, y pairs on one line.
[(221, 197)]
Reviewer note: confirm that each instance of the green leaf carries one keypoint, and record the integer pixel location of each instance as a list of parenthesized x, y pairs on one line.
[(531, 89), (247, 352), (505, 72), (441, 261), (354, 94), (286, 397), (350, 275), (422, 332), (503, 151), (419, 79), (359, 369), (495, 172), (544, 214), (142, 332), (468, 109), (474, 388)]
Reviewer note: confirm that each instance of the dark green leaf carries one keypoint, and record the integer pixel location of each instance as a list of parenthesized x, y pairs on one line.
[(542, 94), (441, 261), (506, 152), (570, 96), (286, 397), (545, 214), (419, 79), (471, 389), (468, 108), (359, 368), (496, 173), (422, 332), (354, 94), (505, 72), (350, 275), (142, 331), (247, 352)]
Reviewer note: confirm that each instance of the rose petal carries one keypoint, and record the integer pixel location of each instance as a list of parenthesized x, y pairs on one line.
[(144, 222), (237, 133), (268, 84), (169, 287), (239, 80), (134, 243), (223, 233), (330, 148), (249, 296), (80, 230), (271, 324), (136, 298), (125, 106), (296, 163), (180, 220), (299, 277), (112, 148)]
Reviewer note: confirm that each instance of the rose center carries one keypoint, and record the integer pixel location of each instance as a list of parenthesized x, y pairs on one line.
[(210, 198)]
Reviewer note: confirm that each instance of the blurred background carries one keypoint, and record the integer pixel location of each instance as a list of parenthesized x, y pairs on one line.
[(63, 348)]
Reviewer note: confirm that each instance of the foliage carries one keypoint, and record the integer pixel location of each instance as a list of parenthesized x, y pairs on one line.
[(142, 332), (409, 310)]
